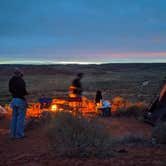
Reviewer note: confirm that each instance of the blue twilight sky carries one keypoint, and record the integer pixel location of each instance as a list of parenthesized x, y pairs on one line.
[(95, 31)]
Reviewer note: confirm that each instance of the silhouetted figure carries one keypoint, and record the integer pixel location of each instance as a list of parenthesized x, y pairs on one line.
[(18, 104), (157, 111), (98, 97), (76, 87)]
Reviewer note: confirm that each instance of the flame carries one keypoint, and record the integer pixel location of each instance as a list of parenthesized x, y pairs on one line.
[(82, 106), (77, 106), (54, 107), (71, 91)]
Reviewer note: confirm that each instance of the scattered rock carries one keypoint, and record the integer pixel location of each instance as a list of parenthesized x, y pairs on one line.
[(145, 83)]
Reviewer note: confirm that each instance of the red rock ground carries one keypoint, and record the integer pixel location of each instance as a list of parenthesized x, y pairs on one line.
[(33, 150)]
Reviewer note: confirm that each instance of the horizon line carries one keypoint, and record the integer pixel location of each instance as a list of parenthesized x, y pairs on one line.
[(24, 62)]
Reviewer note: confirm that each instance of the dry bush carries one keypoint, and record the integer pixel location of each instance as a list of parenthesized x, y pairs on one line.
[(135, 109), (131, 110), (78, 137), (118, 103), (159, 133)]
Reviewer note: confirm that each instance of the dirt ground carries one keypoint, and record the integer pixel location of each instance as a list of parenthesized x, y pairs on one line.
[(33, 150)]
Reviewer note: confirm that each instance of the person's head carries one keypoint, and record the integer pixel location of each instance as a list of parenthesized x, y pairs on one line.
[(80, 75), (18, 72), (98, 93)]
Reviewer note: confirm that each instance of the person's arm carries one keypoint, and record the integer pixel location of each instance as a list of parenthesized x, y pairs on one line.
[(11, 86), (163, 91), (23, 87), (26, 93)]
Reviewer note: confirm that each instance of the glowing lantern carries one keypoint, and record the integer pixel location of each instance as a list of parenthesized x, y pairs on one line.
[(54, 107)]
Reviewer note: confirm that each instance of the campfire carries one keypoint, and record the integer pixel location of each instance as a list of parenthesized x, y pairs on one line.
[(83, 107), (75, 105)]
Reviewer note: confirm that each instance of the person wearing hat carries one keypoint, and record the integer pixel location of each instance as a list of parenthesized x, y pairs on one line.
[(17, 88)]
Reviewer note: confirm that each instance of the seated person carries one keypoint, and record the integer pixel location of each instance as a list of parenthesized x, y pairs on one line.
[(45, 102), (105, 108)]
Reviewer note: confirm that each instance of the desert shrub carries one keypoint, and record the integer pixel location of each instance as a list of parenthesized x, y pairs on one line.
[(118, 103), (131, 139), (120, 112), (131, 110), (72, 136), (159, 133)]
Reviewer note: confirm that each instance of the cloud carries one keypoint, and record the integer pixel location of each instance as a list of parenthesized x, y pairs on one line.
[(75, 27)]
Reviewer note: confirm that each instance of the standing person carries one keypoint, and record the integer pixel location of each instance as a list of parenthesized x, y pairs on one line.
[(76, 87), (17, 88), (98, 98)]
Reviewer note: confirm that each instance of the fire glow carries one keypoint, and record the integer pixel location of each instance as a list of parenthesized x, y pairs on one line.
[(82, 107), (54, 108)]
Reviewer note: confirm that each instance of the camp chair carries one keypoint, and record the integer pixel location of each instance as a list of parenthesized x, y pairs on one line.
[(45, 102)]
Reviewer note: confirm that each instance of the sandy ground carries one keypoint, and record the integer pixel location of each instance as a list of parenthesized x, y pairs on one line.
[(33, 150)]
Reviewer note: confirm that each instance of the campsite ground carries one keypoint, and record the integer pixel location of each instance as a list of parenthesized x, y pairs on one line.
[(33, 150), (134, 82)]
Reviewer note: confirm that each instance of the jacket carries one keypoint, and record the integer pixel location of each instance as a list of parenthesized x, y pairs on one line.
[(17, 87)]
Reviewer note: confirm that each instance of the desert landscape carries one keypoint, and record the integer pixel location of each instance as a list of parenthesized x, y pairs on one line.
[(134, 82), (95, 76), (131, 138)]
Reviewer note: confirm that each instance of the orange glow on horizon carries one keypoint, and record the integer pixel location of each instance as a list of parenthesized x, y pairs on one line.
[(132, 55)]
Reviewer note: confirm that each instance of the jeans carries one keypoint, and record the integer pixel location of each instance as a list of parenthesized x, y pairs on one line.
[(18, 117)]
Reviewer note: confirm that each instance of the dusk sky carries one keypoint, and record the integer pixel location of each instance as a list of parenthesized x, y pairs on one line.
[(82, 31)]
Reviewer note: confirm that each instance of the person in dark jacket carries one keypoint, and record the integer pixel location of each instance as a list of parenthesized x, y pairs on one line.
[(76, 87), (17, 88)]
